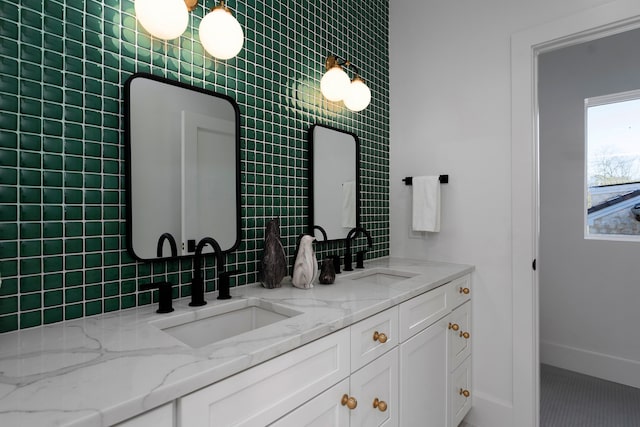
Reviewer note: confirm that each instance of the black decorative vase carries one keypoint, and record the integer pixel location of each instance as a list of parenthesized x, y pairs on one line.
[(327, 272), (273, 265)]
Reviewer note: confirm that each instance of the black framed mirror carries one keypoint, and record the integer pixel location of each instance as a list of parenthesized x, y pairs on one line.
[(334, 182), (182, 146)]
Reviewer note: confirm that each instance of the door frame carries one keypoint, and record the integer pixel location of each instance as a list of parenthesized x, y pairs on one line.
[(591, 24)]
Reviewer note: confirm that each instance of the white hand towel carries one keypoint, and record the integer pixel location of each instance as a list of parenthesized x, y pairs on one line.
[(349, 204), (426, 203)]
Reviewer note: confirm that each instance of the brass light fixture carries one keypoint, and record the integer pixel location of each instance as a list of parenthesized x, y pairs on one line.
[(220, 33), (336, 86)]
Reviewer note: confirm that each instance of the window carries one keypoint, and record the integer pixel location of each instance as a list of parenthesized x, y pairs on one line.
[(612, 167)]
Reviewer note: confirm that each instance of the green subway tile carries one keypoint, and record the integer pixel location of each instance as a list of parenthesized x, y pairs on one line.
[(72, 295), (53, 298), (53, 281), (127, 301), (111, 258), (30, 195), (8, 139), (52, 195), (8, 158), (8, 323), (73, 311), (30, 213), (93, 308), (74, 278), (52, 213), (30, 283), (53, 315), (53, 264), (52, 93), (111, 289), (93, 292), (73, 246), (30, 248), (73, 262), (52, 161), (94, 275), (30, 107), (71, 196), (72, 213), (93, 260), (93, 228), (128, 286), (30, 319), (8, 194), (8, 231), (92, 197), (52, 247), (52, 127), (30, 301), (110, 304), (30, 142), (30, 159), (8, 305), (52, 144)]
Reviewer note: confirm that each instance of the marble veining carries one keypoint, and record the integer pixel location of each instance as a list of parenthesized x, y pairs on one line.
[(102, 370)]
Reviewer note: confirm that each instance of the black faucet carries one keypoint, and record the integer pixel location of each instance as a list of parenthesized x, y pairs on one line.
[(353, 233), (197, 283), (172, 244), (164, 295)]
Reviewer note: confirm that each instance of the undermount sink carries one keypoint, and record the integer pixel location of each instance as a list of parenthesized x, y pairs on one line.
[(382, 276), (219, 322)]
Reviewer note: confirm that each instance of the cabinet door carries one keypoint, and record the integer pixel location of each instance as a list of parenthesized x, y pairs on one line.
[(460, 392), (423, 378), (322, 411), (373, 336), (459, 335), (375, 387), (264, 393)]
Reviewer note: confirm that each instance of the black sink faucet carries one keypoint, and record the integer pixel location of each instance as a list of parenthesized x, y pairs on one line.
[(353, 233), (197, 282)]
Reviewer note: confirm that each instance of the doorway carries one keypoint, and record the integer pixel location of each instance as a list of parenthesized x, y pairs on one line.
[(588, 290), (591, 24)]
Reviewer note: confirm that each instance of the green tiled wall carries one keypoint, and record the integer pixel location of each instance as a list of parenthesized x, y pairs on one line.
[(62, 69)]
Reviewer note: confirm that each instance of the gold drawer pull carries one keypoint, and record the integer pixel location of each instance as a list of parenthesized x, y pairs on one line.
[(464, 392), (381, 405), (381, 337), (465, 335), (454, 326), (349, 402), (464, 290)]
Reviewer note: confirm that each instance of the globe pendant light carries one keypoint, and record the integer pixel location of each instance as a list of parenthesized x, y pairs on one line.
[(335, 82), (164, 19), (358, 95), (220, 33)]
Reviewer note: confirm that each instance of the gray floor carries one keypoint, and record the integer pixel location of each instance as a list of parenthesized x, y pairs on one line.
[(569, 399)]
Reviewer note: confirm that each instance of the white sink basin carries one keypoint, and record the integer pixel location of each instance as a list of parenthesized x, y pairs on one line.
[(382, 276), (219, 322)]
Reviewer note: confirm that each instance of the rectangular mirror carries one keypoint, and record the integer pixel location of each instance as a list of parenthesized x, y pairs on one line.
[(182, 166), (334, 187)]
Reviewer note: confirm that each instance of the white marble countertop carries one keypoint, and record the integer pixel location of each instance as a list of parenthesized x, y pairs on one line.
[(101, 370)]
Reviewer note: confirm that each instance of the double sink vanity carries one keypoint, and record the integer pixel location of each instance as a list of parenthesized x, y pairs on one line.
[(388, 345)]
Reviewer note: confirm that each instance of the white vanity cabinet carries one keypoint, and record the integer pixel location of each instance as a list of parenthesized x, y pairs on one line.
[(435, 356), (409, 365)]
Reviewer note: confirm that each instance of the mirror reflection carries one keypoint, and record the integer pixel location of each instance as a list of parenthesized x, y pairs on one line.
[(182, 167), (334, 189)]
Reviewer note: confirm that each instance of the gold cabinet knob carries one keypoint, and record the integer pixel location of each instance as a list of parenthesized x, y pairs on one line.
[(349, 402), (381, 337), (464, 392), (454, 326), (465, 335), (380, 405), (464, 290)]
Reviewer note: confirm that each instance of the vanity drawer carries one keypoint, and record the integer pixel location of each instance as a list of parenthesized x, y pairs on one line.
[(460, 289), (418, 313), (373, 336), (262, 394)]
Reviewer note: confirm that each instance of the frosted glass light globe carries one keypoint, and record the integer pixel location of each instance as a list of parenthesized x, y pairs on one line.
[(334, 84), (358, 95), (221, 34), (164, 19)]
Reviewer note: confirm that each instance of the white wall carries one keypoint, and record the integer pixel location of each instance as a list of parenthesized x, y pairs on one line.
[(589, 289), (451, 113)]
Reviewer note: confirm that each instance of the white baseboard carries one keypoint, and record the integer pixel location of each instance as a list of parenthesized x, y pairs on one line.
[(605, 366), (487, 411)]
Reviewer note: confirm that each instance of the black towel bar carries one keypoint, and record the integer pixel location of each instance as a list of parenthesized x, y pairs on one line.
[(444, 179)]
